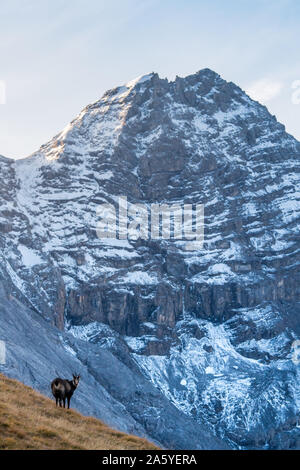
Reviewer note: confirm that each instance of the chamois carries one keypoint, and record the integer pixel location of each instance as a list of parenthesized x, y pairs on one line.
[(63, 389)]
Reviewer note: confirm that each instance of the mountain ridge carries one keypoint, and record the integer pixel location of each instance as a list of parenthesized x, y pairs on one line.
[(142, 78)]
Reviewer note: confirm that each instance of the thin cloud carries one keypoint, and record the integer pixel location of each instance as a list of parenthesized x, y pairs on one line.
[(264, 90)]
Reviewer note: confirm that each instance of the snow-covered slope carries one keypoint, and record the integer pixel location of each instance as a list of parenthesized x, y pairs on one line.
[(212, 328)]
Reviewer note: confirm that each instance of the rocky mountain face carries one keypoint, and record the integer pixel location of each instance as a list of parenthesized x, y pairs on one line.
[(169, 334)]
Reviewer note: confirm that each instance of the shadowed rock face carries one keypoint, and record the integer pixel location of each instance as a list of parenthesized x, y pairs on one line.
[(211, 329), (111, 388)]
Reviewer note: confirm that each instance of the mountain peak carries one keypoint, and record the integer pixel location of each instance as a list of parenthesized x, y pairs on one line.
[(202, 74), (230, 303), (141, 79), (206, 73)]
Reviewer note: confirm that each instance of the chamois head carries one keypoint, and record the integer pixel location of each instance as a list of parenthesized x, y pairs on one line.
[(75, 380)]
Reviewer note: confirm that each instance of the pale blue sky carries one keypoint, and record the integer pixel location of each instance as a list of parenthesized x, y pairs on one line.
[(59, 55)]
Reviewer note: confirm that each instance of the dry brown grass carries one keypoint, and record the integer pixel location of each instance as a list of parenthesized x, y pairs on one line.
[(28, 420)]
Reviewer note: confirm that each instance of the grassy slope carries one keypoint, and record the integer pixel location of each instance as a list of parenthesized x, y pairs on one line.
[(28, 420)]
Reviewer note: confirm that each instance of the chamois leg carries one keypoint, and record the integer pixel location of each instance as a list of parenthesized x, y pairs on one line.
[(68, 402), (56, 401), (64, 400), (60, 402)]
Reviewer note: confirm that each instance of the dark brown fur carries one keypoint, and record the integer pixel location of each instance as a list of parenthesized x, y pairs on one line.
[(63, 389)]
